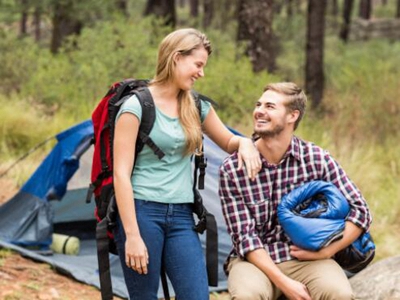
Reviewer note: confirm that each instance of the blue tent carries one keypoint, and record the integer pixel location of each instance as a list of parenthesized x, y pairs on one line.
[(53, 201)]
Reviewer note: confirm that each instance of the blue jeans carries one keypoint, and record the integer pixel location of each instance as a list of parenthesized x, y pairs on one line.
[(167, 231)]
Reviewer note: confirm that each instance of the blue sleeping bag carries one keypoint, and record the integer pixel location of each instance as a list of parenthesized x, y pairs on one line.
[(314, 215)]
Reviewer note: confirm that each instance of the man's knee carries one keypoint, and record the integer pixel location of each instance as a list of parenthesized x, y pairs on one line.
[(246, 293), (342, 294), (334, 292), (246, 281)]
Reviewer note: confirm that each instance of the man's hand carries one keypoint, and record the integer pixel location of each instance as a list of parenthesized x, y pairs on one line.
[(295, 290), (302, 254)]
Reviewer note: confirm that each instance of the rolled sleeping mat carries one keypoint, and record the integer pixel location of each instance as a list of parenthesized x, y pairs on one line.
[(65, 244)]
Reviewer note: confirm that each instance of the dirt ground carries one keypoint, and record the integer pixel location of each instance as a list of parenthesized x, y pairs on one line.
[(25, 279)]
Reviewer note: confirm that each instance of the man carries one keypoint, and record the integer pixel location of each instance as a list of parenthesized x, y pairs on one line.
[(263, 264)]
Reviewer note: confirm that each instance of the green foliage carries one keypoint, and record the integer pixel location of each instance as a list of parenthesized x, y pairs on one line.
[(363, 79), (385, 11), (81, 74), (24, 125), (17, 61)]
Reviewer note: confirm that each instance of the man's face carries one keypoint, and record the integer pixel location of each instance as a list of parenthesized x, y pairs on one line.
[(270, 114)]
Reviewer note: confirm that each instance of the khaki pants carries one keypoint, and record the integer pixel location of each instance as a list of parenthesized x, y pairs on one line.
[(324, 279)]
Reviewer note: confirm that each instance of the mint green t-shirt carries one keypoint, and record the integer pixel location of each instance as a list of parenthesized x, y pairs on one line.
[(166, 180)]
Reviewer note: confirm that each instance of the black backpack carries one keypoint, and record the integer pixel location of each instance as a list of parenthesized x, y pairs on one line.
[(102, 187)]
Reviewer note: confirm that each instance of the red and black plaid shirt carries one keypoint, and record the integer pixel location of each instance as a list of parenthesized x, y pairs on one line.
[(250, 207)]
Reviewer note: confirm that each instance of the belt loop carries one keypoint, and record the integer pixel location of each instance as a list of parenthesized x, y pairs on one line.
[(170, 209)]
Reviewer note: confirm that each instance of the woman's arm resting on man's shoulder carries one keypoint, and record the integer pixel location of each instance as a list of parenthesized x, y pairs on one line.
[(227, 141)]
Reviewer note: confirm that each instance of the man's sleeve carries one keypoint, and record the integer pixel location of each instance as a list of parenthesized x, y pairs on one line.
[(240, 224), (359, 212)]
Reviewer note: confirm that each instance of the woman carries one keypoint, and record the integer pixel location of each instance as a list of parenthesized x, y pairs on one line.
[(155, 224)]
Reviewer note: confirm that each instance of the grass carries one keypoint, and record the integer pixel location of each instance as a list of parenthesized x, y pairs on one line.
[(4, 253)]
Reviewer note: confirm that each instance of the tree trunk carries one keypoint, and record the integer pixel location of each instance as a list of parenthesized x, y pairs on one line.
[(334, 8), (208, 12), (365, 9), (225, 12), (255, 26), (64, 24), (347, 11), (37, 23), (398, 10), (298, 6), (315, 50), (122, 6), (194, 8), (24, 18), (182, 3), (162, 9), (289, 8)]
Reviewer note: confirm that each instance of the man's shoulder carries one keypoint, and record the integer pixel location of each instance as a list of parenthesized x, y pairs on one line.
[(230, 162), (307, 147)]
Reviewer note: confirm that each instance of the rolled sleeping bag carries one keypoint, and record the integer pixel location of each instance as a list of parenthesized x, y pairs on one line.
[(65, 244), (307, 215), (313, 215)]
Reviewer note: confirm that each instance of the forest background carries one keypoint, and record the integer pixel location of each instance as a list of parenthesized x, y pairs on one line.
[(46, 87)]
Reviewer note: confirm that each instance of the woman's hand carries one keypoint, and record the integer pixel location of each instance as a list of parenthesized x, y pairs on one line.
[(249, 155), (136, 256)]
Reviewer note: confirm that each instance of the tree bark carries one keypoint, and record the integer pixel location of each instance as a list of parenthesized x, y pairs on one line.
[(255, 26), (162, 9), (24, 18), (64, 24), (122, 6), (398, 10), (315, 51), (226, 13), (365, 9), (208, 6), (37, 23), (194, 8), (347, 11), (289, 8), (334, 8)]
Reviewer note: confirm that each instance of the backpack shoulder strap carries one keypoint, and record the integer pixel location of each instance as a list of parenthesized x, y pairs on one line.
[(200, 162), (147, 122)]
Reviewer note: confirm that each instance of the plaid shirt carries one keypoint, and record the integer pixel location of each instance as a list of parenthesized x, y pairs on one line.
[(250, 207)]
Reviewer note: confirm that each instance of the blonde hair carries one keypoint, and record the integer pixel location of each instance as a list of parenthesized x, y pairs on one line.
[(296, 98), (182, 41)]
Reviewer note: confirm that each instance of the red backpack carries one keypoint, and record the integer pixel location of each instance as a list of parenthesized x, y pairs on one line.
[(102, 188)]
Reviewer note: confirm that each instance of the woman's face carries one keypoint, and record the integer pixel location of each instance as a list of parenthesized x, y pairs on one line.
[(189, 68)]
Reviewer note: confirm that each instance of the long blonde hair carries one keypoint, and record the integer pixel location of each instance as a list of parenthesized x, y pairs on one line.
[(182, 41)]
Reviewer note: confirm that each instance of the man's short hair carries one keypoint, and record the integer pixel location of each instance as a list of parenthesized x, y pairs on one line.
[(296, 98)]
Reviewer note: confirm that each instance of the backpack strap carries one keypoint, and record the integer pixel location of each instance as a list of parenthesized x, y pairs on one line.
[(147, 122), (206, 219), (199, 160), (102, 240)]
